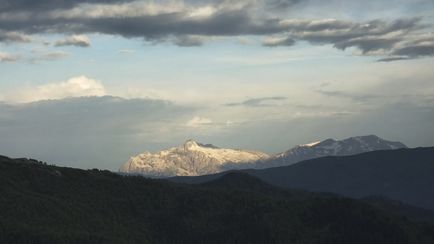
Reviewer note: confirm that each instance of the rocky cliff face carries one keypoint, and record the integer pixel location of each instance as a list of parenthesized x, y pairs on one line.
[(191, 158)]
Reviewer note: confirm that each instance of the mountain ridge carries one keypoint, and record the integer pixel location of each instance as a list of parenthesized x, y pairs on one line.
[(190, 158), (331, 147), (193, 158)]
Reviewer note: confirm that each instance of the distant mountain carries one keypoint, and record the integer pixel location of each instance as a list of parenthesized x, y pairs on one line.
[(330, 147), (191, 158), (406, 175), (46, 204)]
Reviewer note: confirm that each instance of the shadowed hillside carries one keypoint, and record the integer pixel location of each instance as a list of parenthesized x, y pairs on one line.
[(406, 175), (48, 204)]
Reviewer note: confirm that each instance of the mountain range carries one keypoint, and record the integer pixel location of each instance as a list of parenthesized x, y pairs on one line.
[(331, 147), (405, 175), (193, 158)]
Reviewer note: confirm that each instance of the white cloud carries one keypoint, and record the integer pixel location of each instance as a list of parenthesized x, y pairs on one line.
[(74, 87), (198, 122), (75, 40), (14, 37), (7, 57)]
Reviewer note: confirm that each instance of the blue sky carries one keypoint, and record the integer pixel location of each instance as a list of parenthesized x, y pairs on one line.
[(255, 74)]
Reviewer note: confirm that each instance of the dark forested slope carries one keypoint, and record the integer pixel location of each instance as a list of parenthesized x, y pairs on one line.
[(405, 175), (48, 204)]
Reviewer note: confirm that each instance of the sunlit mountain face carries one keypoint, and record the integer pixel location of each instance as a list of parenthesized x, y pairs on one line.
[(90, 84)]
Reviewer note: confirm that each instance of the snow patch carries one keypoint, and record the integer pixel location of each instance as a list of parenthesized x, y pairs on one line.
[(310, 144)]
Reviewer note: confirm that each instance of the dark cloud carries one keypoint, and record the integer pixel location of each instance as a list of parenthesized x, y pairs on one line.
[(39, 5), (390, 38), (280, 5), (368, 44), (151, 27), (183, 27), (258, 102), (392, 59), (367, 36), (222, 23), (414, 51)]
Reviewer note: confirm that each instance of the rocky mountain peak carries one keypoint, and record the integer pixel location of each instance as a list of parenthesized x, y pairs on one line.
[(191, 158), (190, 144)]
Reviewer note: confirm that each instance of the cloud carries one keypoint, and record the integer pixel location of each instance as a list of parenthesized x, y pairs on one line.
[(199, 122), (278, 41), (392, 59), (366, 36), (280, 5), (36, 57), (75, 40), (189, 41), (29, 5), (258, 102), (74, 87), (47, 56), (14, 37), (419, 47), (348, 95), (190, 23), (9, 58)]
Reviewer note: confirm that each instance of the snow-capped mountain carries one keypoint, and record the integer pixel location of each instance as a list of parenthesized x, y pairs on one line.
[(330, 147), (190, 159), (193, 158)]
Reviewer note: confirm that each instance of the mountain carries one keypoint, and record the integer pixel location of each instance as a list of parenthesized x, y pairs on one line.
[(41, 203), (191, 158), (330, 147), (405, 175)]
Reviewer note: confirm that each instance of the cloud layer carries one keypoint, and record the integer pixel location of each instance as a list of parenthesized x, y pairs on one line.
[(190, 23), (79, 86)]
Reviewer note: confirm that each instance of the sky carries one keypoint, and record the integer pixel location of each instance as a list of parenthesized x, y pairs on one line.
[(89, 84)]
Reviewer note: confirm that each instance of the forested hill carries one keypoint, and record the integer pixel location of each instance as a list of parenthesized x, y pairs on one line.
[(405, 175), (47, 204)]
